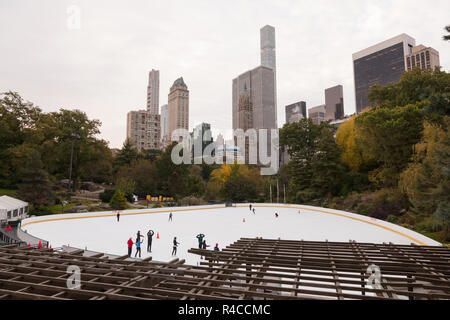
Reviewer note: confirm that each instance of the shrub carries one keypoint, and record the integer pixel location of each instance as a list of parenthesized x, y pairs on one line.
[(191, 201), (118, 200), (107, 195)]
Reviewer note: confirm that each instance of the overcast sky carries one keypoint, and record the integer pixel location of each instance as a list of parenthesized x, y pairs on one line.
[(102, 68)]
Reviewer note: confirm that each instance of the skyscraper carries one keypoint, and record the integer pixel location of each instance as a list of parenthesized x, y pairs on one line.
[(380, 64), (268, 58), (423, 58), (295, 112), (317, 114), (178, 108), (143, 129), (334, 103), (261, 85), (153, 92), (164, 120)]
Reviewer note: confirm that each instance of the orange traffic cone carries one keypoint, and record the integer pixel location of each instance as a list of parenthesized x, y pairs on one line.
[(243, 220), (157, 235), (299, 211)]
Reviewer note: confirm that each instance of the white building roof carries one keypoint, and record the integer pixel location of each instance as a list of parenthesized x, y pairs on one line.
[(406, 39), (10, 203)]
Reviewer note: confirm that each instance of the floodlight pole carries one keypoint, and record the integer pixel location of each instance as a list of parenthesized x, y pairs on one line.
[(74, 136)]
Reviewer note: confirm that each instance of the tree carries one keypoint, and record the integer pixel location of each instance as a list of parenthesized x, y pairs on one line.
[(388, 136), (426, 181), (118, 200), (36, 187), (126, 156), (326, 165), (430, 87), (447, 36), (346, 137)]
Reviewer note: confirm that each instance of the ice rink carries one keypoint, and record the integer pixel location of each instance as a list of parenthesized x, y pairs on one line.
[(100, 231)]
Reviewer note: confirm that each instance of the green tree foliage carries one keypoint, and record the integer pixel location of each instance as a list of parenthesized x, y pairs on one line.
[(118, 200), (36, 187), (447, 36), (426, 181), (126, 156), (388, 136), (315, 167)]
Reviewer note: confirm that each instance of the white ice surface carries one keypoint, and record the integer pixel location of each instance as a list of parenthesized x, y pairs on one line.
[(101, 232)]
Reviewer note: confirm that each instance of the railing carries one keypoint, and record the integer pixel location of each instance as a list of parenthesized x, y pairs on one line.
[(9, 237), (28, 238)]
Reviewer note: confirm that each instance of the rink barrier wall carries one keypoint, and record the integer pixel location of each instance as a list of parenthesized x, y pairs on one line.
[(404, 232)]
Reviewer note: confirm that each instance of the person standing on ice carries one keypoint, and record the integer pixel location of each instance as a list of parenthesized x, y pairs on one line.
[(200, 240), (150, 234), (118, 216), (130, 247), (175, 245), (276, 215), (254, 211), (138, 236), (170, 216), (138, 248), (250, 206)]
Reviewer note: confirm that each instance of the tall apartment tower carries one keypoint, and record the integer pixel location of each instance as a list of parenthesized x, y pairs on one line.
[(381, 64), (334, 103), (178, 108), (268, 58), (143, 130), (295, 112), (423, 58), (164, 119), (261, 85), (153, 92)]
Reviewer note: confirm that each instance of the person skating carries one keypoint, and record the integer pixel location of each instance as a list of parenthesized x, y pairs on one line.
[(118, 216), (138, 236), (130, 246), (175, 245), (203, 246), (138, 248), (216, 248), (170, 216), (254, 211), (276, 215), (250, 206), (150, 234), (200, 240)]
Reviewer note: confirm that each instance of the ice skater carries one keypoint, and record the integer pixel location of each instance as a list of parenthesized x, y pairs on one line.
[(150, 234), (203, 246), (175, 245), (216, 249), (138, 236), (170, 216), (254, 211), (200, 240), (138, 248), (118, 216), (276, 215), (130, 247), (250, 206)]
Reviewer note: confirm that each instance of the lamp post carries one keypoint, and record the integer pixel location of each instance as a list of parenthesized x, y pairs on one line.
[(74, 136)]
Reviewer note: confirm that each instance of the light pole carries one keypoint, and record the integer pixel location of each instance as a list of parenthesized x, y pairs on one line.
[(74, 136)]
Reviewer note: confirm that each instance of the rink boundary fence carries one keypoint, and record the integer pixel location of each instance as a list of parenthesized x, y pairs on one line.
[(222, 207)]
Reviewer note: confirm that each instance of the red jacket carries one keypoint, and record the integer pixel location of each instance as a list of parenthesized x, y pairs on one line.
[(130, 243)]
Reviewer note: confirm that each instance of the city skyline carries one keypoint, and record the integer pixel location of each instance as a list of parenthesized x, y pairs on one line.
[(102, 69)]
